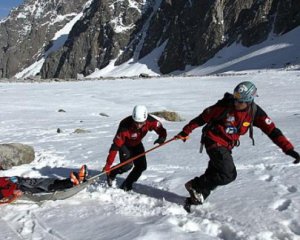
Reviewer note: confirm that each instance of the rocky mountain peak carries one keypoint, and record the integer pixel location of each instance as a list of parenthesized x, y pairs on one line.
[(67, 38)]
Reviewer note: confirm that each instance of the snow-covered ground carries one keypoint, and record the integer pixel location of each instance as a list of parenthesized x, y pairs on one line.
[(262, 204)]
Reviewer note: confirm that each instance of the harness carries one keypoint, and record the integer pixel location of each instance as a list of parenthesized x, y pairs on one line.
[(210, 126)]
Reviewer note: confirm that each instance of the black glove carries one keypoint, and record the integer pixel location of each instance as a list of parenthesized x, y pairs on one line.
[(160, 140), (294, 154), (182, 135), (124, 153)]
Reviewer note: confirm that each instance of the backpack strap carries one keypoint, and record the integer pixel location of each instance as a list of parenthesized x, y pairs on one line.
[(252, 110), (224, 101), (209, 126)]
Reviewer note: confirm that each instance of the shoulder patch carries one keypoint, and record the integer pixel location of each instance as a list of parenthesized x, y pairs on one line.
[(246, 124), (268, 121)]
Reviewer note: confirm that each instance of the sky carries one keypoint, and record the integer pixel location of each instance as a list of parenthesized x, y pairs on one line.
[(7, 5), (263, 203)]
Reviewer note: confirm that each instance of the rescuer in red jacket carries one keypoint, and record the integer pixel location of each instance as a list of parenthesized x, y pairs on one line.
[(224, 123), (128, 142)]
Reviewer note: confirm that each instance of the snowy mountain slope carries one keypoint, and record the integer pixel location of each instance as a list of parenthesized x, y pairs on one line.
[(31, 29), (262, 204), (276, 52), (99, 38)]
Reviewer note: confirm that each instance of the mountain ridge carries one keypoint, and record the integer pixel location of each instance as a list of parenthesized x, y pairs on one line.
[(189, 33)]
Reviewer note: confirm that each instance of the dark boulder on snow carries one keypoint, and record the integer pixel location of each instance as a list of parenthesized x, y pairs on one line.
[(15, 154), (103, 114)]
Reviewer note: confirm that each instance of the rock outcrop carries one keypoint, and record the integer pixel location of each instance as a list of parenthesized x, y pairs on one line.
[(107, 31), (15, 154)]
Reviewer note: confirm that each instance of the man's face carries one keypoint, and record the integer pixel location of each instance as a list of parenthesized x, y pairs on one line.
[(139, 125), (240, 105)]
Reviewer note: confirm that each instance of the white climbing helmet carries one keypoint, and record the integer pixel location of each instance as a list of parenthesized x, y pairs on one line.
[(139, 113)]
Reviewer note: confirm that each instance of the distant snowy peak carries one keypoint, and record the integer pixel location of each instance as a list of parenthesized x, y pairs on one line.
[(28, 33), (35, 9)]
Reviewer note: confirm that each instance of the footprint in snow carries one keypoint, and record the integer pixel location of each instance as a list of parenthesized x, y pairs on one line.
[(292, 189), (294, 226), (282, 205)]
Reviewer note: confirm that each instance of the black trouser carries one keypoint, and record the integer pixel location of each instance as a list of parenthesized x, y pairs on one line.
[(36, 185), (220, 171), (140, 165)]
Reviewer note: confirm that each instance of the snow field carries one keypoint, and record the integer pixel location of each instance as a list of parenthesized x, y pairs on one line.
[(262, 204)]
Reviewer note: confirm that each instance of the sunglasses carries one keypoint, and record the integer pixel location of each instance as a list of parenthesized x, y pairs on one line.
[(239, 101)]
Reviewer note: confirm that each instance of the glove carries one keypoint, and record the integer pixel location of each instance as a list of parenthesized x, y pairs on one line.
[(294, 154), (124, 153), (18, 193), (182, 135), (160, 140), (106, 169)]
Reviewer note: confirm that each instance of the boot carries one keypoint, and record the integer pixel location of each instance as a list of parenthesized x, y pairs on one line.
[(74, 179), (196, 197), (126, 187), (109, 179), (82, 173)]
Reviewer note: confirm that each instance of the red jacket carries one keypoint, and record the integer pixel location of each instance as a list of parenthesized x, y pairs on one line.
[(7, 187), (128, 135), (239, 120)]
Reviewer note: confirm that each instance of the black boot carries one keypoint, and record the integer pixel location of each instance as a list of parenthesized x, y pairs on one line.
[(126, 186), (109, 179), (196, 197)]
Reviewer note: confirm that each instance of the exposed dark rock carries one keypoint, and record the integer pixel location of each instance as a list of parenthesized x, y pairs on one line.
[(107, 28), (103, 114), (188, 32), (144, 75), (29, 29)]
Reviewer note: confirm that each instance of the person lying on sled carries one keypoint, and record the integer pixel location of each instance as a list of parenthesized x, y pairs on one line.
[(14, 187)]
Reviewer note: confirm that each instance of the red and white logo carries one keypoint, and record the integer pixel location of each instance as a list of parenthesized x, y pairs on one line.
[(134, 136), (268, 121)]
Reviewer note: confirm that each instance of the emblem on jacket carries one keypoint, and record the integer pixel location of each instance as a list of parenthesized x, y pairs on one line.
[(246, 124), (268, 121), (230, 118), (134, 136)]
